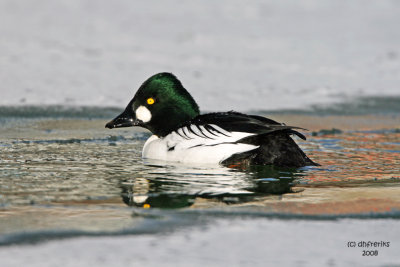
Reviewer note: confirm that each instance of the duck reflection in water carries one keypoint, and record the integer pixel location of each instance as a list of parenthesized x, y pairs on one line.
[(178, 186)]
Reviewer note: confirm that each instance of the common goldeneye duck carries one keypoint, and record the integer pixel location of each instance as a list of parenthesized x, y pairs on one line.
[(181, 134)]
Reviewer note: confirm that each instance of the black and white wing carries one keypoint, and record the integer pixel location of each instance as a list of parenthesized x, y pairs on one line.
[(238, 122), (213, 138)]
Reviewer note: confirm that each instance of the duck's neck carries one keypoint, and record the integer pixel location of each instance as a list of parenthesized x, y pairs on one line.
[(170, 121)]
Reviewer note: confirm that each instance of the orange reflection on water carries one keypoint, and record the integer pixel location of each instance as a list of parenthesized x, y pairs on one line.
[(356, 156)]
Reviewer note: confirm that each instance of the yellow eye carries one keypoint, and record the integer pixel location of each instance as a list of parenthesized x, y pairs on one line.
[(150, 101)]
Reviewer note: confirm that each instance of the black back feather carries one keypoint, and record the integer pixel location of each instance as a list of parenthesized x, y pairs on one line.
[(272, 138), (238, 122)]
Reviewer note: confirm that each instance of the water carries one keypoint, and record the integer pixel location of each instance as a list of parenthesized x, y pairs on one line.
[(76, 194), (63, 175)]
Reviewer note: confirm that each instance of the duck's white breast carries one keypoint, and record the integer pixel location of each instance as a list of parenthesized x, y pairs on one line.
[(196, 146)]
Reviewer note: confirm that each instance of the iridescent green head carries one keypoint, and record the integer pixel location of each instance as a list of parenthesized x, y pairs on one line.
[(161, 105)]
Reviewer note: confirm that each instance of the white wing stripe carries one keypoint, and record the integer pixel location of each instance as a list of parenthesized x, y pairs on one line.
[(219, 129), (204, 131), (181, 133), (197, 131)]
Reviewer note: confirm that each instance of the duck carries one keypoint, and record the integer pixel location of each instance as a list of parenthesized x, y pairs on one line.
[(181, 134)]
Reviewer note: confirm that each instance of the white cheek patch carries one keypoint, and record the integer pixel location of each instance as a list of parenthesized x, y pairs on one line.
[(143, 114)]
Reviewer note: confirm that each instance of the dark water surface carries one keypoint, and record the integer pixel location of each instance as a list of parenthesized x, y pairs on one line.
[(62, 177)]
